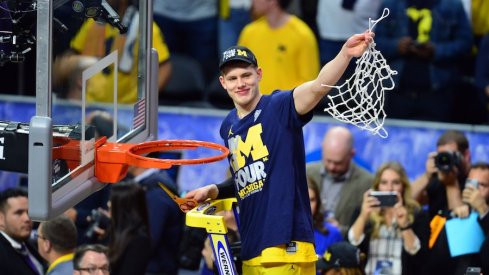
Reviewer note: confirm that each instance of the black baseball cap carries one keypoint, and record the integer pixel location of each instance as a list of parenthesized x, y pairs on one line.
[(340, 254), (237, 53)]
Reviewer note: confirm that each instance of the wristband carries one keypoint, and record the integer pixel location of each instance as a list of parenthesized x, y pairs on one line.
[(226, 189)]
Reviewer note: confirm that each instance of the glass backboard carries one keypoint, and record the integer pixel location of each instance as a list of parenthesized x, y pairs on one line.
[(105, 86)]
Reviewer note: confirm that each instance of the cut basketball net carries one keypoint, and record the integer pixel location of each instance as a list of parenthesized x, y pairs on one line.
[(360, 100)]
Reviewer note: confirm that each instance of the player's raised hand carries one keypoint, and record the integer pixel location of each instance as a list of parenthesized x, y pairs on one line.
[(358, 43)]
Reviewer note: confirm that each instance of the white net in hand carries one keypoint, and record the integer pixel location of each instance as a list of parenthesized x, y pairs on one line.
[(360, 100)]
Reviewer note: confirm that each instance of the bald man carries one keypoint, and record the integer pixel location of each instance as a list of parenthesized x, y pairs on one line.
[(340, 180)]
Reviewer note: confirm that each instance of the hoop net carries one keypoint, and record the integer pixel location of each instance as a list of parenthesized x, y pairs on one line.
[(360, 100)]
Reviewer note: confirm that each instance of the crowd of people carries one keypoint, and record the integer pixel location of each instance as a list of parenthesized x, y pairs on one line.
[(145, 227), (441, 64)]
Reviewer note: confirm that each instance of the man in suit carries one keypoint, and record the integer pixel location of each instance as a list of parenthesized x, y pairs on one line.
[(340, 180), (56, 241), (166, 221), (17, 256)]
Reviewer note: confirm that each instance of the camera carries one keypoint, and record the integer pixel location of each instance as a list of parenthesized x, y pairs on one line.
[(97, 219), (445, 161)]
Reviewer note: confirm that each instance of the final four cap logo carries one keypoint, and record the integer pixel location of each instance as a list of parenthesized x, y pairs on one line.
[(237, 53)]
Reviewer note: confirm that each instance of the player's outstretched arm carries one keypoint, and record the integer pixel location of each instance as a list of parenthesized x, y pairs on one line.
[(308, 95)]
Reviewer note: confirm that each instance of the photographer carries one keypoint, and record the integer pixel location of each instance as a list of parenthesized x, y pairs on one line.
[(446, 171), (440, 187)]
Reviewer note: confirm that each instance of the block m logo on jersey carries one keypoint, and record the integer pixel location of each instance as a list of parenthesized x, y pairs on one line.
[(253, 145), (249, 176)]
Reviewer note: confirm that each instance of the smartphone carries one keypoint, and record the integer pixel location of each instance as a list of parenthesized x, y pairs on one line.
[(386, 198), (472, 182), (473, 271)]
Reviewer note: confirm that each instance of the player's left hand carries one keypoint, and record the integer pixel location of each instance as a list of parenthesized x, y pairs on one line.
[(358, 43)]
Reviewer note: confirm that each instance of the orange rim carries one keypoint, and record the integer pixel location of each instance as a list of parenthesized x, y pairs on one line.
[(112, 159), (134, 153)]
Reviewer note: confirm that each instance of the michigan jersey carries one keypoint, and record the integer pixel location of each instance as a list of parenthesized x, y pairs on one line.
[(267, 161)]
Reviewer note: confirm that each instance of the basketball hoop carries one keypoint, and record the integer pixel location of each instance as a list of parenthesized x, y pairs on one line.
[(112, 159)]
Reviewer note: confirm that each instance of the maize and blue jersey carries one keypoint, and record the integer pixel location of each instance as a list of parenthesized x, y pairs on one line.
[(267, 160)]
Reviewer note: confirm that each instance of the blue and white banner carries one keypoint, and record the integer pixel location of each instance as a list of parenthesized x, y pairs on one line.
[(408, 142)]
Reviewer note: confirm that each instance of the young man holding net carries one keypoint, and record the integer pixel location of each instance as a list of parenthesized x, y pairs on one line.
[(267, 159)]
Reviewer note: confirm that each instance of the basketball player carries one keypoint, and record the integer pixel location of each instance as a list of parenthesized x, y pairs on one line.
[(267, 159)]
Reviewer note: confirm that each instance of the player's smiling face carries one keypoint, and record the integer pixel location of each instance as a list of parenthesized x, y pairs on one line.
[(241, 82)]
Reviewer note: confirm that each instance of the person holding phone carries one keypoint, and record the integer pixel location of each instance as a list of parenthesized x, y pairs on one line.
[(476, 195), (394, 236)]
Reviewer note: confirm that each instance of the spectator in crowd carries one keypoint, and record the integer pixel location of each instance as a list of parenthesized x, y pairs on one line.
[(341, 258), (234, 15), (419, 41), (129, 235), (56, 242), (477, 197), (339, 178), (89, 217), (442, 183), (190, 248), (99, 40), (166, 221), (440, 187), (208, 266), (482, 71), (337, 20), (480, 24), (284, 44), (308, 10), (394, 238), (90, 258), (325, 233), (190, 28), (17, 256), (477, 11)]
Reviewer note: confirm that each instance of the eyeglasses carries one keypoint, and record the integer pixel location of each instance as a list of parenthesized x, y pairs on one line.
[(39, 236), (93, 270)]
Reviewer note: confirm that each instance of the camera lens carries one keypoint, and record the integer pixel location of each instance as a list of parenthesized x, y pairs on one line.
[(445, 161)]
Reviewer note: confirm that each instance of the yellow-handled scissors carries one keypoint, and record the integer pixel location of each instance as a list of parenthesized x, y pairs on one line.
[(189, 203)]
